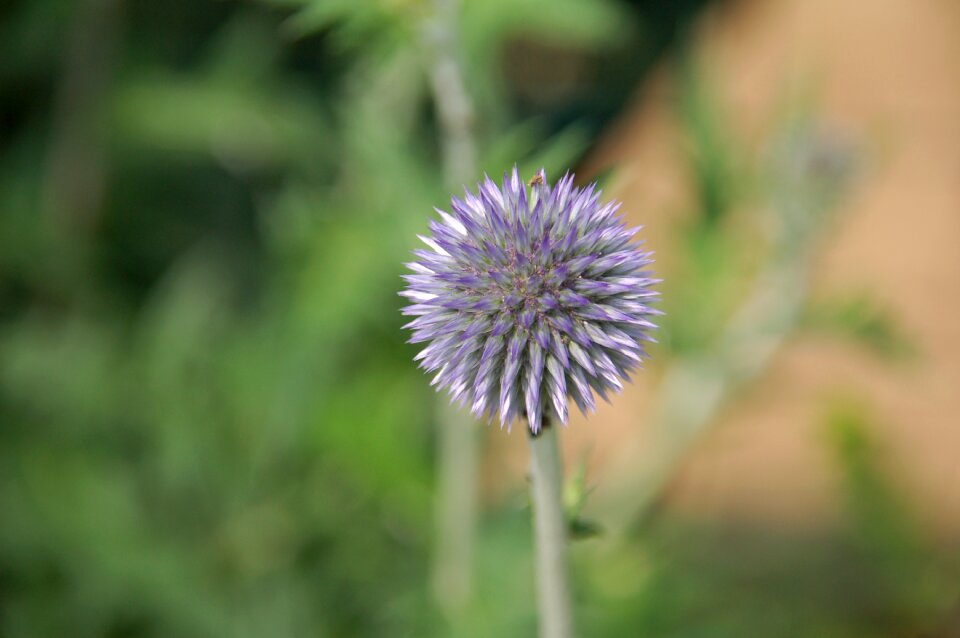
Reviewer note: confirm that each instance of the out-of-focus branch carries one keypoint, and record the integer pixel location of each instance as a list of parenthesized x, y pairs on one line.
[(693, 389), (453, 103), (814, 172), (76, 173), (456, 504)]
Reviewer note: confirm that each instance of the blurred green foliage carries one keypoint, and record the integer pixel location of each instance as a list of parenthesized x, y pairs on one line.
[(902, 583), (861, 319), (209, 422)]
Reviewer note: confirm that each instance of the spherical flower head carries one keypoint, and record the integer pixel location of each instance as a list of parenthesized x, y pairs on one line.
[(529, 295)]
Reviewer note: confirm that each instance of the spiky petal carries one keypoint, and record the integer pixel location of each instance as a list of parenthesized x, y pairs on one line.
[(530, 296)]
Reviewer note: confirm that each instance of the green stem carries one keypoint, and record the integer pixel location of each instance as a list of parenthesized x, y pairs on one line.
[(455, 510), (77, 172), (550, 536), (456, 505)]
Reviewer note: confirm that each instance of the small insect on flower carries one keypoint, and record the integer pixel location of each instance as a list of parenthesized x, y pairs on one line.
[(530, 295)]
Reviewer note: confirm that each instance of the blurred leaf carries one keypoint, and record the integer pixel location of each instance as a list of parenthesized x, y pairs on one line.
[(244, 128), (235, 108), (883, 526), (708, 284), (368, 26), (586, 25), (582, 529), (575, 493), (714, 164), (32, 36), (863, 320), (244, 50), (878, 511), (559, 152), (575, 490), (555, 154), (591, 24), (80, 359)]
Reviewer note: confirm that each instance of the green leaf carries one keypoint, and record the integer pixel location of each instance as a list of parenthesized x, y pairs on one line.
[(575, 493), (714, 163), (883, 526), (862, 320), (582, 529), (557, 154)]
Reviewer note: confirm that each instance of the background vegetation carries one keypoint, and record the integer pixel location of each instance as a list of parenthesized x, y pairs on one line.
[(209, 422)]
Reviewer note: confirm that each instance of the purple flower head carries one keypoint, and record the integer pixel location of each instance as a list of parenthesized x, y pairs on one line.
[(529, 295)]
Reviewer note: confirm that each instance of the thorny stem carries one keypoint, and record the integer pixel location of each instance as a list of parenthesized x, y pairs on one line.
[(457, 439), (550, 535)]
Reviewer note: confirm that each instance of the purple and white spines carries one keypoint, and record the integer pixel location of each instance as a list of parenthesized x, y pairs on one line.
[(529, 295)]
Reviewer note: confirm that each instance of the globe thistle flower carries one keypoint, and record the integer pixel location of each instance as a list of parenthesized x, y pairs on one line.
[(529, 297)]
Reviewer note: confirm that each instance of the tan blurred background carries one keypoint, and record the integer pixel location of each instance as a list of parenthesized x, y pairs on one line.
[(888, 77)]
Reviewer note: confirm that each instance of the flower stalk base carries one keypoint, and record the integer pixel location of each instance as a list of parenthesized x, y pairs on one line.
[(550, 535)]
